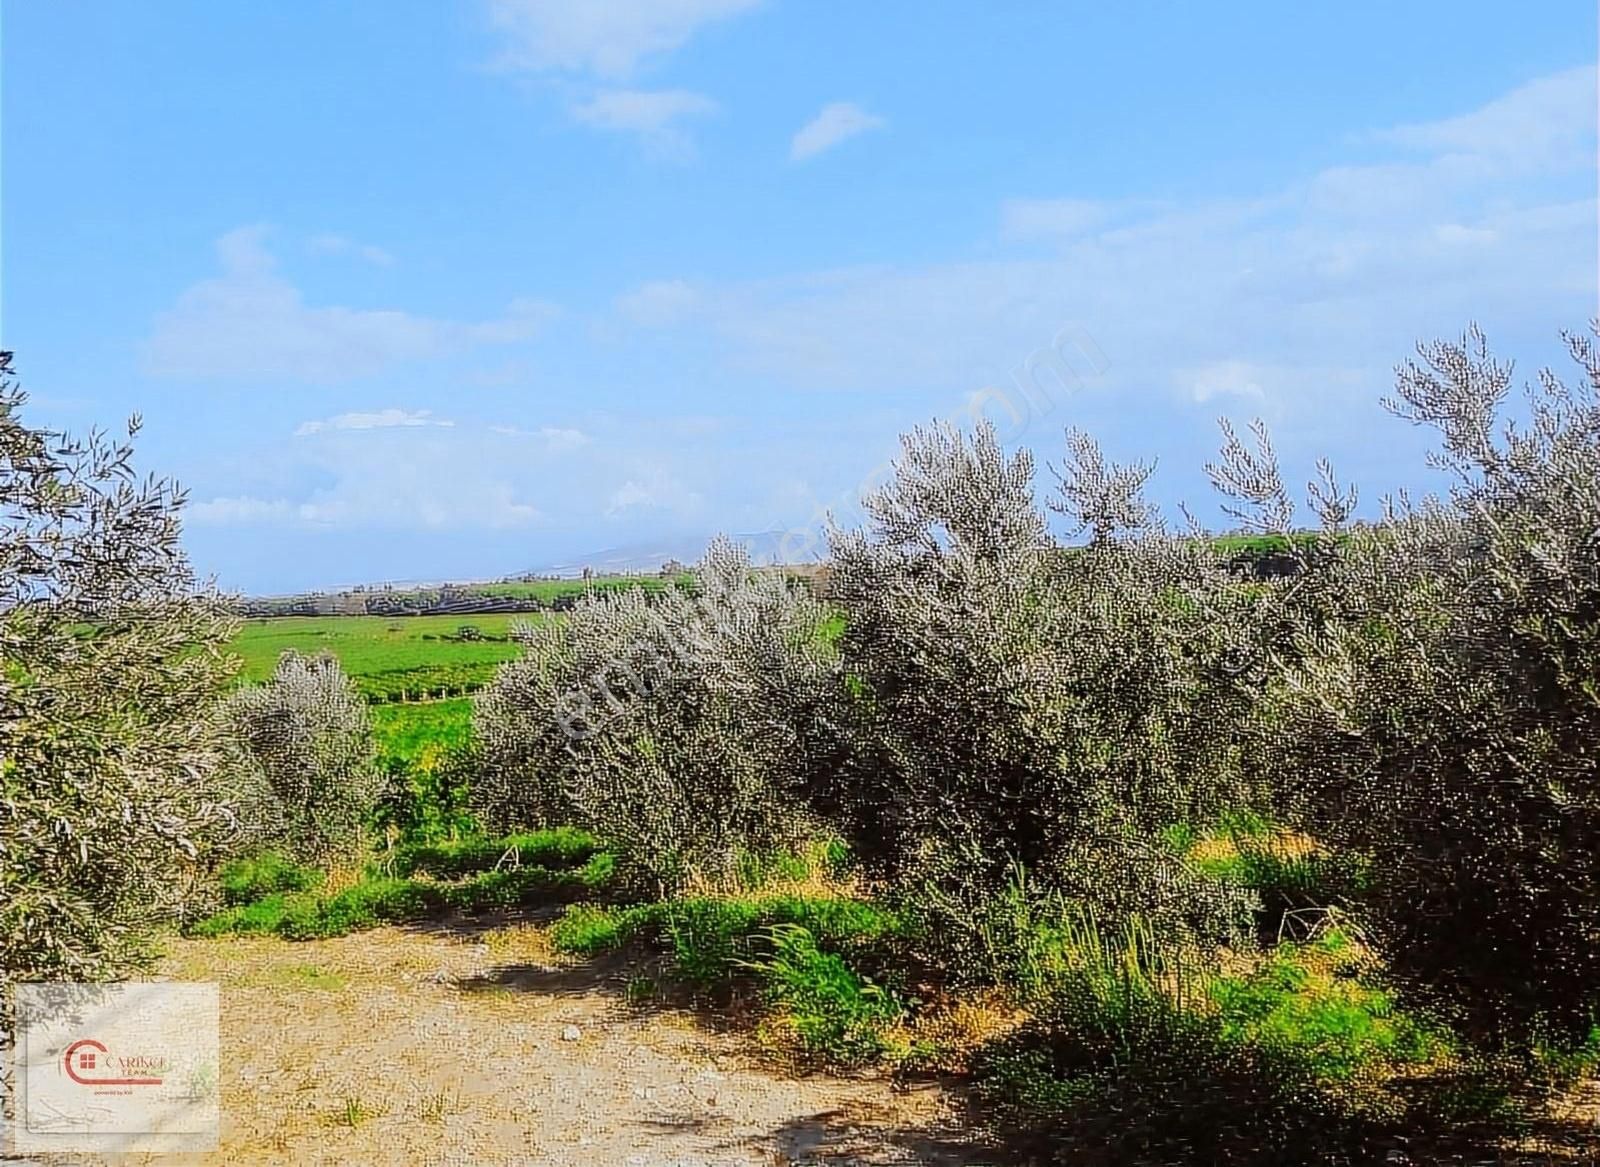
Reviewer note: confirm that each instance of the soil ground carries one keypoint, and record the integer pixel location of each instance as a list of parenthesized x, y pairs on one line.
[(441, 1048)]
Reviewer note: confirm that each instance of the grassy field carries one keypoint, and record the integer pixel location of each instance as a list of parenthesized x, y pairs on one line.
[(406, 730), (390, 658), (550, 590)]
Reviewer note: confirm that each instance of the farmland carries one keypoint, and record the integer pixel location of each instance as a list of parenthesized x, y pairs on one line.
[(397, 664), (405, 731), (390, 658)]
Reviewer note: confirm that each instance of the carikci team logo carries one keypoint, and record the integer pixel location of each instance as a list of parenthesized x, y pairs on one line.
[(116, 1068), (89, 1063)]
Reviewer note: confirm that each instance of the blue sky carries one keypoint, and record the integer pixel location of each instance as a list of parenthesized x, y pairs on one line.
[(424, 290)]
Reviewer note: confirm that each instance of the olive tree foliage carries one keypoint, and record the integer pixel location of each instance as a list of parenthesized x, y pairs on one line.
[(679, 726), (111, 658), (1017, 702), (303, 769), (1440, 707)]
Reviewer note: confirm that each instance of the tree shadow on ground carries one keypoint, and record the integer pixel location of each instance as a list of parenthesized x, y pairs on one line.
[(845, 1138), (609, 975), (473, 926)]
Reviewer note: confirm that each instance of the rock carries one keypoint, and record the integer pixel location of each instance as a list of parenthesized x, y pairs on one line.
[(571, 1033)]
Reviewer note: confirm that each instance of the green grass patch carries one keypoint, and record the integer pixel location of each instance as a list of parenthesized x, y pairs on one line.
[(554, 848), (838, 1016), (419, 732), (389, 658), (713, 942), (1141, 1051), (1307, 1003), (256, 876), (378, 901), (819, 962)]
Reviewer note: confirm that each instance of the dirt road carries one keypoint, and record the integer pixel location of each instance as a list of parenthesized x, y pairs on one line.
[(406, 1047)]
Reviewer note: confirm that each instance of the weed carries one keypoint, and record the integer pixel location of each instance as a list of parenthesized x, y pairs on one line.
[(439, 1105), (255, 876), (838, 1016), (354, 1111)]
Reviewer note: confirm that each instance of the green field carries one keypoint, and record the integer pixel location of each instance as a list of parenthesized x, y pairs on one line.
[(390, 658), (548, 591), (409, 731)]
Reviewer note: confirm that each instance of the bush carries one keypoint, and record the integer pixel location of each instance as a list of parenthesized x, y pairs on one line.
[(676, 727), (1008, 701), (303, 765), (1438, 704), (111, 658)]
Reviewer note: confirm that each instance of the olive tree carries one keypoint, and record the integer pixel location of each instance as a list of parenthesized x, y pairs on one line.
[(678, 726), (1439, 709), (111, 660), (1016, 702), (302, 765)]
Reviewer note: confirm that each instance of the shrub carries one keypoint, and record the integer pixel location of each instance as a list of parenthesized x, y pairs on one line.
[(675, 727), (1439, 706), (110, 659), (1010, 701), (303, 762)]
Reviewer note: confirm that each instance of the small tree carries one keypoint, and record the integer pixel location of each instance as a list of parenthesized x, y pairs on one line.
[(304, 769), (677, 726), (1014, 702), (1439, 710), (111, 659)]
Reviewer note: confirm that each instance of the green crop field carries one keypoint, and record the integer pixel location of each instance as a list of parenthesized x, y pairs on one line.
[(389, 658), (408, 730), (550, 590)]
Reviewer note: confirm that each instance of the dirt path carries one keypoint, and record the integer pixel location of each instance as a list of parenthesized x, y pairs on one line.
[(412, 1048)]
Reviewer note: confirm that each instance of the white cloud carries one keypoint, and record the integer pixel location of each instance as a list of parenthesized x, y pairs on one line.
[(658, 303), (382, 419), (555, 438), (833, 124), (655, 492), (238, 510), (651, 114), (433, 478), (250, 322), (1545, 124), (1226, 379), (332, 244), (608, 39)]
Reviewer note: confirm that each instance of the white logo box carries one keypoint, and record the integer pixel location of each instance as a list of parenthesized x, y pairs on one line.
[(133, 1066)]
